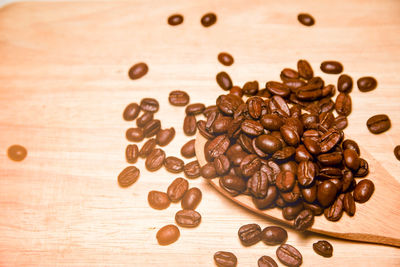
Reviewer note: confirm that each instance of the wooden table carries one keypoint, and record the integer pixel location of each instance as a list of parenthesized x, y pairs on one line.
[(64, 85)]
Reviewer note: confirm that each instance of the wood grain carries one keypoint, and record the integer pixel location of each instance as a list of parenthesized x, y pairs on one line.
[(64, 85)]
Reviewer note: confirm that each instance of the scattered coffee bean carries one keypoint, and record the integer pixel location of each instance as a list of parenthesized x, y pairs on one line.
[(273, 235), (149, 105), (378, 124), (147, 148), (192, 169), (158, 200), (225, 259), (152, 128), (132, 153), (165, 136), (225, 59), (249, 234), (224, 80), (363, 191), (17, 152), (128, 176), (266, 261), (155, 159), (138, 70), (208, 171), (250, 88), (189, 125), (195, 109), (208, 19), (191, 199), (305, 70), (304, 220), (175, 19), (131, 112), (331, 67), (345, 84), (178, 98), (343, 104), (177, 189), (167, 235), (289, 255), (188, 149), (366, 84), (323, 248), (144, 119), (306, 19), (173, 164), (396, 152), (188, 218), (134, 134)]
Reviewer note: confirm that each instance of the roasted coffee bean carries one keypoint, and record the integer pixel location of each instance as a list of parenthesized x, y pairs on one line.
[(134, 134), (396, 152), (312, 145), (167, 235), (348, 182), (366, 84), (268, 143), (147, 148), (138, 70), (304, 220), (351, 159), (132, 153), (225, 59), (222, 165), (266, 261), (128, 176), (17, 152), (291, 196), (273, 235), (326, 119), (131, 112), (210, 109), (236, 91), (158, 200), (289, 166), (350, 144), (285, 153), (208, 171), (228, 104), (338, 183), (201, 125), (173, 164), (192, 169), (250, 164), (302, 154), (189, 125), (329, 140), (258, 184), (291, 212), (285, 181), (250, 88), (251, 127), (363, 170), (178, 98), (293, 84), (211, 119), (165, 136), (315, 208), (349, 205), (289, 255), (249, 234), (264, 93), (277, 88), (216, 147), (152, 128), (306, 19), (271, 122), (289, 74), (144, 119), (306, 93), (326, 193), (341, 122), (175, 19), (290, 135), (221, 124), (335, 211), (149, 105), (255, 106), (330, 173), (246, 143), (187, 218), (343, 104), (268, 200), (345, 83), (177, 189), (224, 80), (331, 67), (233, 184), (330, 159), (309, 194), (195, 109), (188, 149), (306, 172), (208, 19), (363, 191), (323, 248), (304, 69), (378, 124), (191, 199), (225, 259), (155, 159)]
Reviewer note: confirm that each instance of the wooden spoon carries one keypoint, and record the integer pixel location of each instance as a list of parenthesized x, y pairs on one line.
[(376, 221)]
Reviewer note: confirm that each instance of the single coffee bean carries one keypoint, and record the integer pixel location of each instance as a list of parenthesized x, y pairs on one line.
[(266, 261), (396, 152), (208, 171), (221, 124), (192, 169), (128, 176), (315, 208), (178, 98), (165, 136), (277, 88), (331, 67), (343, 104), (210, 109), (329, 140), (348, 182), (149, 105), (195, 109), (350, 144), (255, 106), (305, 19), (17, 152), (285, 181), (351, 159), (289, 166), (250, 164), (279, 106), (290, 212), (268, 143), (225, 259), (249, 234), (289, 74), (175, 19), (345, 83), (138, 70), (309, 194), (268, 200), (147, 148), (250, 88), (306, 172), (366, 84), (290, 135), (304, 69), (341, 122), (201, 125), (304, 220), (326, 119), (289, 255), (328, 91), (131, 112), (273, 235), (271, 122), (134, 134), (155, 159), (363, 191), (349, 205), (173, 164), (237, 91), (167, 235), (222, 165), (228, 104), (302, 154), (189, 125), (224, 80), (323, 248), (187, 218), (216, 147), (132, 153), (158, 200), (258, 184), (191, 199), (335, 211), (225, 59), (144, 119), (152, 128), (188, 149), (378, 123), (208, 19), (330, 159), (330, 173), (291, 196), (363, 170), (233, 184), (177, 189), (326, 193)]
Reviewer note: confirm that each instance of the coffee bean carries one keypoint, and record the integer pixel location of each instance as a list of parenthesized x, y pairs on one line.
[(291, 196), (195, 109), (330, 173), (155, 159), (208, 19), (363, 170), (189, 125), (273, 235), (255, 106), (287, 74), (250, 88), (290, 212), (335, 211), (271, 122), (17, 152), (349, 205), (309, 194), (216, 147), (175, 19), (177, 189), (378, 123), (187, 218), (191, 199), (178, 98), (329, 140), (208, 171), (132, 153), (221, 124), (128, 176), (345, 83), (138, 70), (302, 154), (315, 208), (348, 182), (323, 248), (236, 91), (351, 159), (222, 165), (249, 234), (167, 235), (224, 80), (306, 172), (131, 112), (363, 191), (304, 69), (250, 164), (232, 184), (396, 152), (304, 220), (290, 135), (330, 159), (266, 261), (188, 149), (149, 105), (147, 148), (152, 128), (268, 200), (173, 164), (279, 106), (134, 134), (331, 67), (225, 259), (326, 193), (165, 136), (326, 119), (258, 184), (158, 200), (201, 125), (144, 119), (277, 88), (289, 166), (366, 84), (343, 104), (225, 59), (289, 255), (350, 144), (341, 122), (228, 104), (306, 19), (192, 169), (285, 181)]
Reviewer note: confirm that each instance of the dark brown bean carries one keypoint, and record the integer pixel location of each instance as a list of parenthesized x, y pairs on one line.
[(268, 143), (177, 189), (149, 105), (290, 135), (132, 153), (266, 261), (351, 159), (331, 67), (305, 70), (155, 159), (277, 88), (271, 122), (315, 208), (191, 199), (363, 170), (189, 125), (147, 148), (289, 255), (208, 171), (225, 259), (128, 176), (175, 19), (167, 235), (195, 109), (285, 181), (306, 19), (208, 19), (138, 70), (335, 211), (349, 205), (187, 218), (302, 154), (345, 83), (178, 98), (396, 152), (250, 164), (249, 234), (173, 164), (343, 104), (228, 104), (216, 147), (363, 191), (258, 184), (323, 248), (304, 220), (222, 165), (289, 74), (306, 172), (326, 193), (152, 128), (224, 80), (188, 149), (366, 84), (250, 88), (268, 200), (225, 59), (237, 91), (134, 134), (273, 235), (131, 112), (144, 119), (309, 194), (329, 140), (158, 200), (165, 136), (378, 123), (232, 184), (330, 159), (291, 196), (350, 144), (341, 122), (192, 169), (290, 212)]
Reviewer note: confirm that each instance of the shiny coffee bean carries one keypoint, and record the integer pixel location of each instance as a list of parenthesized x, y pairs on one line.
[(189, 125), (191, 199), (222, 165), (195, 109), (178, 98), (167, 235), (144, 119), (315, 208), (175, 19), (306, 172), (309, 194), (306, 19), (290, 212), (266, 261), (288, 73), (131, 112), (155, 160), (132, 153), (330, 139), (224, 80), (304, 220), (188, 149), (165, 136), (341, 122), (350, 144), (208, 171), (225, 59), (216, 147), (291, 196), (345, 83), (134, 134), (331, 67), (277, 88), (326, 193), (152, 128), (236, 91), (192, 169), (335, 211), (228, 104), (304, 69), (290, 135), (158, 200), (128, 176), (273, 235), (250, 88), (268, 143), (302, 154), (363, 170), (233, 184), (323, 248), (268, 200), (225, 259), (289, 255), (271, 122), (251, 127), (343, 104), (285, 181), (138, 71), (378, 124), (258, 184), (329, 159), (17, 152), (255, 106), (149, 105), (208, 19), (363, 191), (250, 164), (177, 189), (249, 234), (187, 218), (349, 205), (366, 84), (351, 159), (173, 164)]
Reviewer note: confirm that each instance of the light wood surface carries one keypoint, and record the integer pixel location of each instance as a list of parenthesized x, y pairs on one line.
[(64, 85)]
